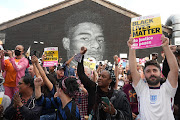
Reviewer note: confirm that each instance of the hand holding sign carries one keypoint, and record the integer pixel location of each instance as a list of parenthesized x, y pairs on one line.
[(130, 41), (43, 57), (165, 41)]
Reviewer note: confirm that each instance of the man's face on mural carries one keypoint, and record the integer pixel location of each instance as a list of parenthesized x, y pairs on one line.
[(85, 34)]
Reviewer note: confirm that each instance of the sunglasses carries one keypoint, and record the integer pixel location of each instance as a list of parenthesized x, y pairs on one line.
[(19, 83)]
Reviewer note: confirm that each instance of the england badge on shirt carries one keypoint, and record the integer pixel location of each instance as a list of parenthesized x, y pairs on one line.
[(153, 99)]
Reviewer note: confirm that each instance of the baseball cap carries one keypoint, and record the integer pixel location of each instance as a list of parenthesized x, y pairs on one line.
[(60, 67)]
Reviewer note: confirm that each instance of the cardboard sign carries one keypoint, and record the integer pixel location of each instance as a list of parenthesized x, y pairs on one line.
[(51, 56), (91, 63), (146, 31)]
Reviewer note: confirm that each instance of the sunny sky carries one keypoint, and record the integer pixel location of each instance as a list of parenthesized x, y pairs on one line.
[(10, 9)]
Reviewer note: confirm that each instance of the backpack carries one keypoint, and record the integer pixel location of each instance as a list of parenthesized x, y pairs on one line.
[(70, 115)]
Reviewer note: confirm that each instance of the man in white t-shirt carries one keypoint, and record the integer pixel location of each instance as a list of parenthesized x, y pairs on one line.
[(155, 100)]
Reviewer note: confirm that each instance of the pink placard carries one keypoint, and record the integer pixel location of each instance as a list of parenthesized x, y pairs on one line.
[(147, 41), (50, 63)]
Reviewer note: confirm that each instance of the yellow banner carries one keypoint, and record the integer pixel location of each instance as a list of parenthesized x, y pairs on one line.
[(146, 27), (91, 63), (51, 55)]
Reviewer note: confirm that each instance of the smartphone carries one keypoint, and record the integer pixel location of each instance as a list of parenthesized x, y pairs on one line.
[(106, 100)]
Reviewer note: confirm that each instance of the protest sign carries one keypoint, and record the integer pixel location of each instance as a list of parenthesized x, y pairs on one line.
[(142, 60), (146, 31), (123, 55), (137, 60), (124, 63), (51, 54), (91, 63)]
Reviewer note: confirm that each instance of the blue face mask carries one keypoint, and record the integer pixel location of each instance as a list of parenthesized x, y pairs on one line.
[(17, 52)]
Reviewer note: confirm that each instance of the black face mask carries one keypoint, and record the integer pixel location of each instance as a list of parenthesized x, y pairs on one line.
[(17, 52)]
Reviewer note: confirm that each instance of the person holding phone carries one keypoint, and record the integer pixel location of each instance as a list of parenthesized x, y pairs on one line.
[(103, 101), (14, 68)]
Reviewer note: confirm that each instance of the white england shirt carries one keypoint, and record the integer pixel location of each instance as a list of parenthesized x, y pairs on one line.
[(155, 104)]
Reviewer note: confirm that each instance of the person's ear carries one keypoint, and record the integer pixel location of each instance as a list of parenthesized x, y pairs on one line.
[(66, 43)]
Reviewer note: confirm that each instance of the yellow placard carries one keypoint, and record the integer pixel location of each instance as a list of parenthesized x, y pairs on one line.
[(146, 27), (51, 55), (51, 58), (90, 64)]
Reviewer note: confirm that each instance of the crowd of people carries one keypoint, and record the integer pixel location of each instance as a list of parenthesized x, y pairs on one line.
[(65, 92)]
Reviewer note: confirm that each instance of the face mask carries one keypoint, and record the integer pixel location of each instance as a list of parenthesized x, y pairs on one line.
[(17, 52)]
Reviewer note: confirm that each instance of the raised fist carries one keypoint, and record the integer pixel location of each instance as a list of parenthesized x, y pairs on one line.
[(38, 81), (130, 41), (83, 50), (165, 41)]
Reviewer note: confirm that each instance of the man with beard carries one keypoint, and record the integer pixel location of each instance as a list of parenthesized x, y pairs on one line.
[(155, 100)]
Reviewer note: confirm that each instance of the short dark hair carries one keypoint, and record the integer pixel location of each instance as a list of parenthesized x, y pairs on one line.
[(71, 86), (60, 67), (81, 17), (152, 62), (28, 80)]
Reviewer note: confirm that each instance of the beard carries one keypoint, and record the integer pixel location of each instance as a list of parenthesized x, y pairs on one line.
[(153, 82)]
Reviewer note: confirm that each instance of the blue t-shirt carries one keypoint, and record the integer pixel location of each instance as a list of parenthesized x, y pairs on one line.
[(69, 71), (57, 104)]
